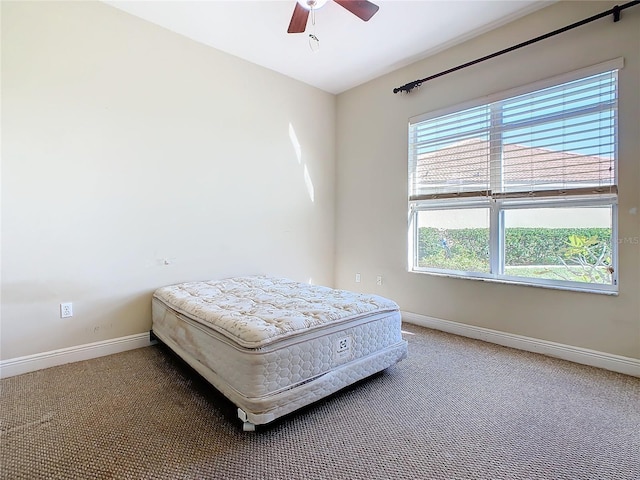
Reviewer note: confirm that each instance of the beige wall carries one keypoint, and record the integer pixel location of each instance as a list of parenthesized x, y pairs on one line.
[(371, 189), (123, 145)]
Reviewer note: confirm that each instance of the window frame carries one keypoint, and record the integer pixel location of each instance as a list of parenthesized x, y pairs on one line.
[(499, 204)]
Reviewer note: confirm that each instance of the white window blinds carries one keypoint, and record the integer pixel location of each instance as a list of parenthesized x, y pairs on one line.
[(553, 141)]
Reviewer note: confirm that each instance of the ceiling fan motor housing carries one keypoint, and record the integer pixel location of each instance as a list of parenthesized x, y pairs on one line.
[(312, 4)]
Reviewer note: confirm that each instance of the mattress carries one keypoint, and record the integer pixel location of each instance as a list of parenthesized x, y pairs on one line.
[(273, 345)]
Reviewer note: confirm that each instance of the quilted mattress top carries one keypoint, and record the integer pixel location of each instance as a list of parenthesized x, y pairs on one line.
[(257, 310)]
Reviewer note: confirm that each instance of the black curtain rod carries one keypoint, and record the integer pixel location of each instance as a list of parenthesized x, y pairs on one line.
[(615, 11)]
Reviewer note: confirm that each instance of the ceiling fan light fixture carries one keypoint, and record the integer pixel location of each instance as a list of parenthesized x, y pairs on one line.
[(311, 4)]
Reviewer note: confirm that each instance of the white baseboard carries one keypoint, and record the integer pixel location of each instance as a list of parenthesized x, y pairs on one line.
[(615, 363), (31, 363)]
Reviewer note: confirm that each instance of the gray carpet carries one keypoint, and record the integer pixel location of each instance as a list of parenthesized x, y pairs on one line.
[(455, 409)]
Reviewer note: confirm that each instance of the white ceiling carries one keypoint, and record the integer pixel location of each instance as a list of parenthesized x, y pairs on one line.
[(351, 51)]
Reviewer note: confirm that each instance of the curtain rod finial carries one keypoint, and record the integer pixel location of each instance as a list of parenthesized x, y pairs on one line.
[(408, 87)]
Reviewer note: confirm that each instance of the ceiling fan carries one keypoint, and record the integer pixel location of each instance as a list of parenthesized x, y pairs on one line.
[(360, 8)]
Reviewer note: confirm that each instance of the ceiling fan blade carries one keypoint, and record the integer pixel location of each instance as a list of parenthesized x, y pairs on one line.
[(360, 8), (298, 19)]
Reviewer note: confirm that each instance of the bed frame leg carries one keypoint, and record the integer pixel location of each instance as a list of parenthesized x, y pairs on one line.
[(247, 426)]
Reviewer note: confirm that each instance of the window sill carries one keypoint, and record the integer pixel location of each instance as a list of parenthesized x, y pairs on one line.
[(570, 288)]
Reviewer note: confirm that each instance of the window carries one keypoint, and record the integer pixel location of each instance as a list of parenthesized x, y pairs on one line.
[(522, 188)]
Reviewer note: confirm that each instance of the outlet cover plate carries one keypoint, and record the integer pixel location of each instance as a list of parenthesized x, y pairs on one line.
[(66, 310)]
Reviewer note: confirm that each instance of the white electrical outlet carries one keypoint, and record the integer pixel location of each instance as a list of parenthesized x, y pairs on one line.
[(358, 278), (66, 310), (379, 280)]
